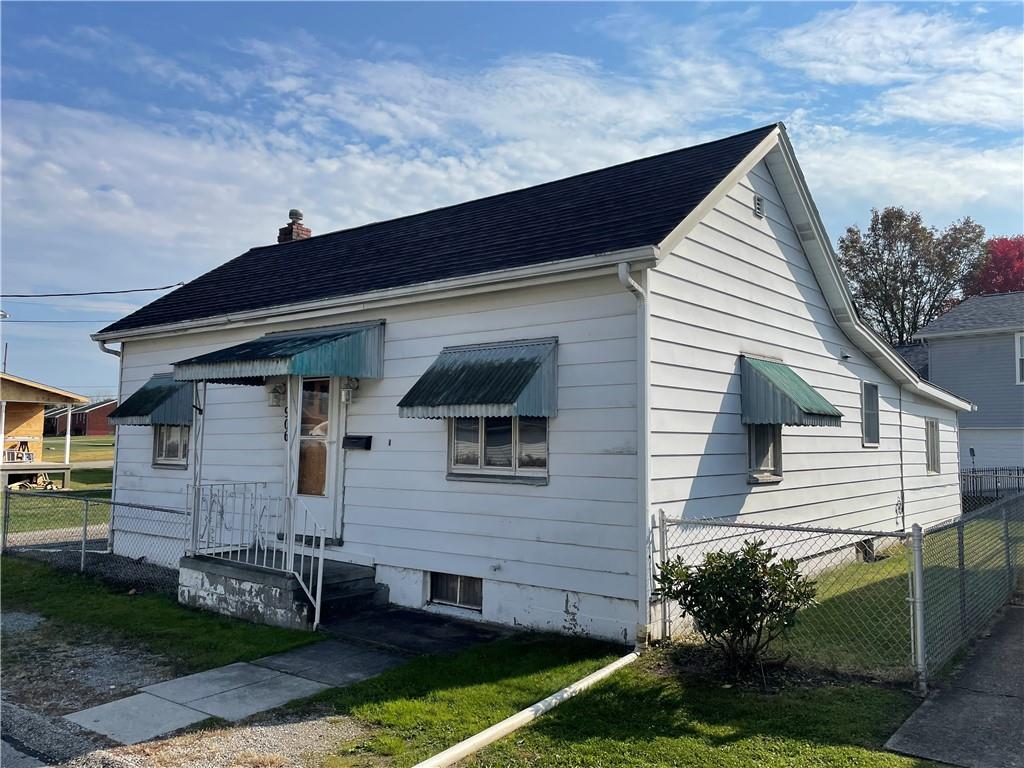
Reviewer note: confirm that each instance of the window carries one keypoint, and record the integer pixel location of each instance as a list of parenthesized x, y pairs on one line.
[(931, 445), (170, 445), (869, 414), (765, 453), (509, 446), (461, 591), (1019, 347), (314, 430)]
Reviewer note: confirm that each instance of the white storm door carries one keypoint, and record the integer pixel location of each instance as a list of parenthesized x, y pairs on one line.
[(316, 455)]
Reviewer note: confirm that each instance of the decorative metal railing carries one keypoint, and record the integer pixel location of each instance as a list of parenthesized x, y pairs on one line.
[(243, 523)]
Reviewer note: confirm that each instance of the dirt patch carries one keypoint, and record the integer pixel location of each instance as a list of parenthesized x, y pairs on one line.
[(272, 740), (54, 669), (703, 662)]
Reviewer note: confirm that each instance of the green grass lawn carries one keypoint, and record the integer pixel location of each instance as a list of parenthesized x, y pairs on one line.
[(83, 448), (33, 511), (193, 640), (96, 482), (860, 622), (641, 716)]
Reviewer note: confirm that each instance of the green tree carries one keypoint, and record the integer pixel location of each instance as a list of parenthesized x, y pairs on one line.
[(904, 274)]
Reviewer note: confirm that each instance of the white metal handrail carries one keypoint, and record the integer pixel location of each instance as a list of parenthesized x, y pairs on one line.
[(242, 523)]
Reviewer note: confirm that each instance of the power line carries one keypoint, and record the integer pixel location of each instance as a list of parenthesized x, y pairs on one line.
[(86, 293), (5, 320)]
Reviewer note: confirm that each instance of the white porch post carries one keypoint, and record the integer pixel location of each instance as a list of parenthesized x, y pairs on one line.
[(198, 428), (67, 447)]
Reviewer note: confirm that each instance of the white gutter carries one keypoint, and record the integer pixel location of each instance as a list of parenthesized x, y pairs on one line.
[(104, 348), (552, 271), (467, 747), (642, 452)]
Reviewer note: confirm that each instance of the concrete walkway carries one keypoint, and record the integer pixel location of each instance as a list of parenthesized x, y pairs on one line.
[(978, 721), (236, 691)]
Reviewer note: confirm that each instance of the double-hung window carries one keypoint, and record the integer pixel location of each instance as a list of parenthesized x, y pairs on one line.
[(869, 414), (514, 446), (170, 445), (1018, 345), (931, 445), (764, 448)]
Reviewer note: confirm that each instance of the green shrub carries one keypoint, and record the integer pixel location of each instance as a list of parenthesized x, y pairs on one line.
[(740, 602)]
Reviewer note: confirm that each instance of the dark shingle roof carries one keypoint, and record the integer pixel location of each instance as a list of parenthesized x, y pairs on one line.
[(630, 205), (995, 311), (916, 355)]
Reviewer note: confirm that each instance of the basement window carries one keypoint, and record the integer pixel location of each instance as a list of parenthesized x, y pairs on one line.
[(170, 445), (459, 591), (764, 453)]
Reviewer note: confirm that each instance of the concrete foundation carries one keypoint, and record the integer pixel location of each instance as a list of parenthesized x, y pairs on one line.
[(257, 595)]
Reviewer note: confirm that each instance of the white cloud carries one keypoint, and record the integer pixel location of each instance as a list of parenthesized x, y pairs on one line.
[(932, 67)]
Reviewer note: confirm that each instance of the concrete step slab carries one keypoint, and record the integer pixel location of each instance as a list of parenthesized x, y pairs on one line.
[(239, 703), (333, 662), (182, 690), (136, 718)]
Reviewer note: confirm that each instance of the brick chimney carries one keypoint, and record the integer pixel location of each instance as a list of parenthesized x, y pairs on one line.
[(294, 229)]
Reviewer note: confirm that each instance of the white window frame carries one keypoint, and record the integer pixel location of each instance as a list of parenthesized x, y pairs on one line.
[(932, 447), (174, 462), (481, 469), (458, 591), (757, 474), (1018, 356), (863, 415)]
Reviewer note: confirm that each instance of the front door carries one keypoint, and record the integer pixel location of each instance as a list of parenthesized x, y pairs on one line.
[(316, 455)]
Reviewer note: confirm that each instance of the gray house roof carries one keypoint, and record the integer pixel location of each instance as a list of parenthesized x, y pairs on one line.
[(916, 355), (993, 312)]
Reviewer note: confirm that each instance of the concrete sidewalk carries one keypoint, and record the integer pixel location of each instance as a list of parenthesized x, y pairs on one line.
[(978, 720), (234, 692)]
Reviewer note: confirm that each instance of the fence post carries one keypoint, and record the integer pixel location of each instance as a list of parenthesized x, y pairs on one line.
[(85, 531), (917, 591), (662, 559), (7, 518), (1011, 581), (962, 574)]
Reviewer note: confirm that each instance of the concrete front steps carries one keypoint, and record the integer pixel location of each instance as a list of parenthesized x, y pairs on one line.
[(270, 596)]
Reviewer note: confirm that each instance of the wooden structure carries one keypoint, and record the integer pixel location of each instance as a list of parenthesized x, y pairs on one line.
[(22, 404)]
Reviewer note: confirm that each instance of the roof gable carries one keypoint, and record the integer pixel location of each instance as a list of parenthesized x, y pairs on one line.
[(625, 206)]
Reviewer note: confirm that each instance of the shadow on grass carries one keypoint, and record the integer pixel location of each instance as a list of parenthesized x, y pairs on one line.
[(638, 716)]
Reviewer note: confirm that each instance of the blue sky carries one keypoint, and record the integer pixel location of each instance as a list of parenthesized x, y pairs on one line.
[(144, 144)]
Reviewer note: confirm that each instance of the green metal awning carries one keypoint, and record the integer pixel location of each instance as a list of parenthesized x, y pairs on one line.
[(506, 379), (773, 393), (350, 350), (161, 400)]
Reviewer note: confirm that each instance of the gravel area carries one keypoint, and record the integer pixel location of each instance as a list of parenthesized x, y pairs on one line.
[(115, 570), (273, 740), (16, 622), (52, 669)]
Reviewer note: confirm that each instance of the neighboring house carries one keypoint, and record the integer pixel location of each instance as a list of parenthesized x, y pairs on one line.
[(494, 399), (977, 350), (916, 355), (22, 404), (88, 419)]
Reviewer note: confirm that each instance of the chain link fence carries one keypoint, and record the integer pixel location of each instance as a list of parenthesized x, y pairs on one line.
[(125, 545), (892, 605), (981, 487)]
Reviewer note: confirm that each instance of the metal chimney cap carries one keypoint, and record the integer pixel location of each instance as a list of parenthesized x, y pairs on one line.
[(295, 214)]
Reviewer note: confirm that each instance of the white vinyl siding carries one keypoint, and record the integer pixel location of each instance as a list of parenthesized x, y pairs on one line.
[(575, 534), (739, 284)]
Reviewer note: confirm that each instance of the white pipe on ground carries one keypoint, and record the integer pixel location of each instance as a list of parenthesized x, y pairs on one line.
[(475, 743)]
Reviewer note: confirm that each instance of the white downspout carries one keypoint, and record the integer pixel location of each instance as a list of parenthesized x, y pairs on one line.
[(642, 452), (903, 494)]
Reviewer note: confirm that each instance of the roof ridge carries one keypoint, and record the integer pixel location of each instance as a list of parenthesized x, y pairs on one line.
[(510, 192)]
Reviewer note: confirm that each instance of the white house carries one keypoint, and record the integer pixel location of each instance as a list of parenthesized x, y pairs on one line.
[(494, 398)]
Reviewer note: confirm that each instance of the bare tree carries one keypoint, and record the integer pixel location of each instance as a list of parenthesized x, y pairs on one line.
[(904, 274)]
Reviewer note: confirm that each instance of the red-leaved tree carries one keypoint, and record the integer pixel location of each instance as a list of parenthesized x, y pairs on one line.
[(1002, 269)]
